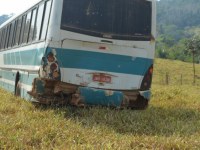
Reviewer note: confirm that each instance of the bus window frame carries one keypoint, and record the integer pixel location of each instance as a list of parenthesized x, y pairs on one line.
[(14, 33), (7, 36), (12, 28), (17, 43), (0, 38), (31, 20), (17, 36)]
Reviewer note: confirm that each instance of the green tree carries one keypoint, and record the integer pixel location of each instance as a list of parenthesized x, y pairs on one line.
[(193, 46)]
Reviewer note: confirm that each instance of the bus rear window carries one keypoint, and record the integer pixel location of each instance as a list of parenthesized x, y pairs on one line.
[(116, 19)]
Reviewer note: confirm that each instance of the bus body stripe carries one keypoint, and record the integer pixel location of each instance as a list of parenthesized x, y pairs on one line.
[(103, 62), (78, 59), (26, 57)]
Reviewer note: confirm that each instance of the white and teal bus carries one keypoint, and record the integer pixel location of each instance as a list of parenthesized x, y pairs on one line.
[(81, 52)]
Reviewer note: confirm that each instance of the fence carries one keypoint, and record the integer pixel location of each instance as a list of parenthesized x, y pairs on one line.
[(173, 78)]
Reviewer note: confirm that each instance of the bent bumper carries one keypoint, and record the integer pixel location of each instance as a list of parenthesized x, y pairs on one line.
[(130, 99)]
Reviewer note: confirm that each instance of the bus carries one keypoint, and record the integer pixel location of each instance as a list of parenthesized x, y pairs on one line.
[(81, 52)]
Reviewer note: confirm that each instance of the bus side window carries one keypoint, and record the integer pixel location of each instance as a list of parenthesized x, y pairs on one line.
[(7, 36), (22, 29), (4, 38), (46, 20), (0, 38), (14, 34), (37, 31), (27, 27), (19, 22), (4, 41), (12, 26), (32, 27)]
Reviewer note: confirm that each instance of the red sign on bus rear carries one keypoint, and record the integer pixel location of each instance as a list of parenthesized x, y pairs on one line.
[(101, 78)]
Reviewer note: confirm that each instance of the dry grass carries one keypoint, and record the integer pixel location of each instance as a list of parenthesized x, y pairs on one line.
[(175, 69), (172, 121)]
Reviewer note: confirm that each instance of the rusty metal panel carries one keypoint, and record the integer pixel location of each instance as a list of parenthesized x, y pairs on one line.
[(101, 97)]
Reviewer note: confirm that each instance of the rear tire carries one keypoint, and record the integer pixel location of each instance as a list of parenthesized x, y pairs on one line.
[(18, 89), (140, 104)]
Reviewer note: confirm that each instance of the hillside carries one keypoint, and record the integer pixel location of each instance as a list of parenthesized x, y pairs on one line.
[(178, 17), (178, 21), (181, 13), (172, 120)]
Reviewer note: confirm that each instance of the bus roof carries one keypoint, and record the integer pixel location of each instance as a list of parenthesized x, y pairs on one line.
[(17, 15)]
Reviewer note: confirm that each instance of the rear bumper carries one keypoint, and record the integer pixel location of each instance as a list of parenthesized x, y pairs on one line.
[(93, 96), (49, 91), (129, 99)]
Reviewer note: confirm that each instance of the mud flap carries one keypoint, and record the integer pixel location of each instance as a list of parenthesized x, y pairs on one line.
[(101, 97), (146, 94), (39, 87), (142, 100)]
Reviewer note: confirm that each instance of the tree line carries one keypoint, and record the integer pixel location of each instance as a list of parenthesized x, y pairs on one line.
[(178, 23)]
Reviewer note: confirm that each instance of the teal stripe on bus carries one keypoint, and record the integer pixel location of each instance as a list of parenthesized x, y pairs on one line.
[(11, 88), (31, 57), (7, 86), (79, 59), (24, 78)]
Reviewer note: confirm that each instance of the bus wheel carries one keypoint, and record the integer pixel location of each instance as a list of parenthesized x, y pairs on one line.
[(18, 90), (17, 85), (140, 104)]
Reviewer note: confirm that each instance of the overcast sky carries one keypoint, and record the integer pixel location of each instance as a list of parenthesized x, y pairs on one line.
[(15, 6)]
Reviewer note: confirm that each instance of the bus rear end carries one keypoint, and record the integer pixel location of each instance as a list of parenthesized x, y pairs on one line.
[(105, 53)]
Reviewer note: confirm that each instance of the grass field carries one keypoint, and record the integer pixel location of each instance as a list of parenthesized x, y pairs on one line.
[(172, 120)]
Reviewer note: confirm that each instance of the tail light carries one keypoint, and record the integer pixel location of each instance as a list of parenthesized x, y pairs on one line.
[(147, 80)]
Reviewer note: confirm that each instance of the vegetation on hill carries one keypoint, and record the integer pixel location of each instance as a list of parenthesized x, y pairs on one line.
[(177, 22), (172, 120), (182, 13)]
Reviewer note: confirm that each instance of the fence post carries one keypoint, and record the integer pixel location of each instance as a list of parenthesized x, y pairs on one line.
[(181, 79), (167, 78)]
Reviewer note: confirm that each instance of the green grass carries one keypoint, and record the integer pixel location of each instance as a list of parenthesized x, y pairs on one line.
[(172, 120)]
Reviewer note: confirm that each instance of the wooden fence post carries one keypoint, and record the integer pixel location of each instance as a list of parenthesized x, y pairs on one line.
[(181, 79), (167, 78)]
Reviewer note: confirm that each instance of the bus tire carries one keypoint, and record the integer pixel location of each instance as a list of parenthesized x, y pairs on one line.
[(18, 90), (140, 104), (17, 85)]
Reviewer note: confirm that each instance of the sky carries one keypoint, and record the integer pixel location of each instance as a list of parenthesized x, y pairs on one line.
[(8, 7)]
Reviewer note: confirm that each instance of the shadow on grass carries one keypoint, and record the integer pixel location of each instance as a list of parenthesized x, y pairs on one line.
[(153, 121)]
